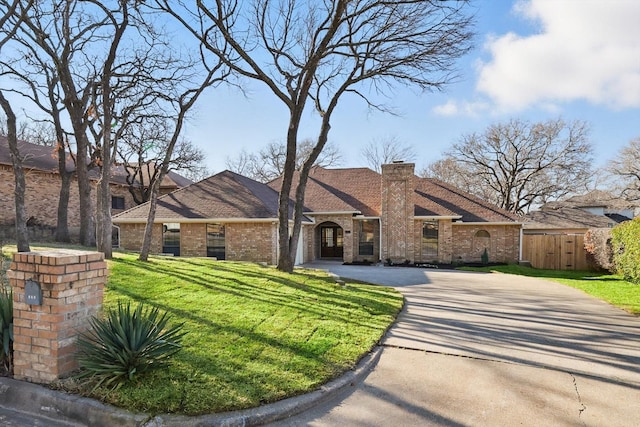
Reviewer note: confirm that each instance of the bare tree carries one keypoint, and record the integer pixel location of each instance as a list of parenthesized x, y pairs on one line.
[(108, 68), (40, 84), (22, 234), (11, 16), (268, 163), (141, 151), (312, 53), (626, 168), (32, 131), (387, 150), (518, 164), (183, 103), (71, 36), (454, 173)]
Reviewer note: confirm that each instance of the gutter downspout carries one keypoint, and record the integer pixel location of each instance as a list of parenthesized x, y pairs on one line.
[(119, 235), (380, 250), (520, 246)]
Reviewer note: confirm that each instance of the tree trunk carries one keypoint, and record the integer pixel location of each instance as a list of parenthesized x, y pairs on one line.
[(87, 227), (22, 233), (148, 231), (285, 261), (62, 224), (103, 196), (304, 175)]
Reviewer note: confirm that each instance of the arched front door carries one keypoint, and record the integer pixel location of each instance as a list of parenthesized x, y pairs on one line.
[(331, 240)]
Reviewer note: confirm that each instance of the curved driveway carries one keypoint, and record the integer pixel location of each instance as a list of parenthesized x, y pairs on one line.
[(477, 349)]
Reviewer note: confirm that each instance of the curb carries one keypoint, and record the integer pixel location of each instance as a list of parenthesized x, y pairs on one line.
[(43, 402)]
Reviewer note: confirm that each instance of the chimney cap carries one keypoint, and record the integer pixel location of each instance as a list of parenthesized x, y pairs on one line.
[(398, 161)]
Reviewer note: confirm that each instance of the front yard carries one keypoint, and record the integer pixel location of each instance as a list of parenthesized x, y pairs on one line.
[(254, 335)]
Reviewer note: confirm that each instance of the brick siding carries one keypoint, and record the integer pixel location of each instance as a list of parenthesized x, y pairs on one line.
[(250, 241), (131, 236), (503, 243), (41, 198)]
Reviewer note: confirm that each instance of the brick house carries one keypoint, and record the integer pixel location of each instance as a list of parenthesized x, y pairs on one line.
[(351, 215), (43, 189)]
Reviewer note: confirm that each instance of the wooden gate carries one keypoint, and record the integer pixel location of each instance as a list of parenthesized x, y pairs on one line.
[(555, 251)]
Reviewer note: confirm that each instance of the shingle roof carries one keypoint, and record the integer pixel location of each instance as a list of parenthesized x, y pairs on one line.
[(38, 157), (597, 198), (438, 198), (359, 189), (45, 158), (225, 195), (572, 212), (229, 195), (567, 217), (171, 180), (340, 190)]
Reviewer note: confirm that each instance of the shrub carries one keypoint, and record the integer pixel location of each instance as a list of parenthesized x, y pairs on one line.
[(485, 257), (125, 343), (6, 328), (597, 243), (626, 249)]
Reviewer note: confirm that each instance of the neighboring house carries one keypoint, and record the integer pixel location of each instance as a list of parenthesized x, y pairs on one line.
[(43, 187), (553, 237), (576, 215), (351, 215)]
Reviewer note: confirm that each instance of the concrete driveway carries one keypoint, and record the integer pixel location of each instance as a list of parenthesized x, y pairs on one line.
[(476, 349)]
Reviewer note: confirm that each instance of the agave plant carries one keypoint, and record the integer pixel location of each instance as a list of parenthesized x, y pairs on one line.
[(125, 343), (6, 328)]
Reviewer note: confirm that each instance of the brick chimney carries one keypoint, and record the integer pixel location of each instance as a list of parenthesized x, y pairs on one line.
[(397, 212)]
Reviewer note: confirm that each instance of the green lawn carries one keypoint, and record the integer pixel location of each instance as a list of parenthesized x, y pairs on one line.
[(254, 335), (607, 287)]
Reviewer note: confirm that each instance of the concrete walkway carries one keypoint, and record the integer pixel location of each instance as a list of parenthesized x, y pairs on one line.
[(476, 349)]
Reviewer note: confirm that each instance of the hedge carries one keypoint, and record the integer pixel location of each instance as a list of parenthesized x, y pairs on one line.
[(626, 249), (597, 243)]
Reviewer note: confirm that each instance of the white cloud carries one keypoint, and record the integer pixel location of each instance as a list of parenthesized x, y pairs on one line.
[(455, 108), (584, 50)]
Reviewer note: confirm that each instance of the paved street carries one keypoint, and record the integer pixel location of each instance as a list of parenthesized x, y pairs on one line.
[(11, 418), (474, 349)]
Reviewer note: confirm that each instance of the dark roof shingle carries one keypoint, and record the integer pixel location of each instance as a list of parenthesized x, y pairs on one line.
[(229, 195), (224, 195)]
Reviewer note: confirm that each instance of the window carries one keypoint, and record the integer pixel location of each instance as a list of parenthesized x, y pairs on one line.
[(171, 238), (430, 239), (365, 240), (117, 202), (216, 241), (483, 233)]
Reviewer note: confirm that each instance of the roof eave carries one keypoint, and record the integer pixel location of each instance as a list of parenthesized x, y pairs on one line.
[(437, 217), (191, 220), (333, 213), (488, 223)]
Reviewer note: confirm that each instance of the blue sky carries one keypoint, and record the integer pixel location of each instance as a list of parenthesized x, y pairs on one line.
[(534, 60)]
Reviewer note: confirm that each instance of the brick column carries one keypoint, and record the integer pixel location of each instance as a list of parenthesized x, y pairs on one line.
[(397, 212), (72, 284)]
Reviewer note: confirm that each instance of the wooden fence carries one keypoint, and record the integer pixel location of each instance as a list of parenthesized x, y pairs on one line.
[(555, 251)]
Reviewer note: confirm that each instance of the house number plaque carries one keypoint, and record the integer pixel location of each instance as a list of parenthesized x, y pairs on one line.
[(33, 293)]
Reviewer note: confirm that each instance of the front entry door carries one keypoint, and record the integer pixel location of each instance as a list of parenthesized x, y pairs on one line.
[(331, 242)]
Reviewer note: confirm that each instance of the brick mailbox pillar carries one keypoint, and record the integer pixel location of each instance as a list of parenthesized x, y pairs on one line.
[(55, 293)]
